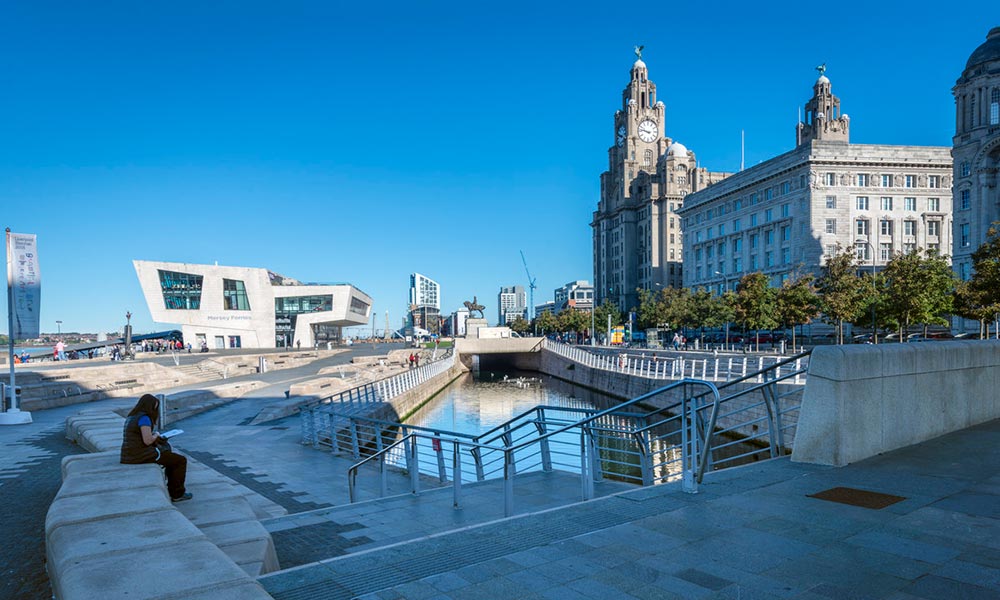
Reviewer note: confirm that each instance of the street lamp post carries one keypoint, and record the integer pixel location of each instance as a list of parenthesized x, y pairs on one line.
[(725, 288), (874, 290), (59, 328)]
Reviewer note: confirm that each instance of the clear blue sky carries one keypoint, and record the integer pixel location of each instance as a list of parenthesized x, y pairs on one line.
[(350, 141)]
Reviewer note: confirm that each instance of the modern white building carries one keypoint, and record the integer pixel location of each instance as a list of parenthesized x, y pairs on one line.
[(246, 307), (512, 303), (424, 291), (791, 212), (578, 295)]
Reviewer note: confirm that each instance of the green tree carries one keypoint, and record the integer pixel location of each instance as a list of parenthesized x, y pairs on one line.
[(678, 307), (521, 325), (983, 288), (755, 303), (918, 290), (546, 322), (650, 309), (972, 303), (602, 312), (797, 302), (842, 296), (571, 320)]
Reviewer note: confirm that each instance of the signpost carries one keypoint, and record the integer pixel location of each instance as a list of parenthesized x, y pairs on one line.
[(23, 301)]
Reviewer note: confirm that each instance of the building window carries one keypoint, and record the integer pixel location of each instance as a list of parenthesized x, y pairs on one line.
[(722, 229), (963, 271), (963, 202), (909, 228), (786, 233), (831, 202), (769, 259), (753, 262), (885, 227), (647, 158), (737, 245), (934, 204), (862, 202), (697, 254), (995, 107), (786, 256), (831, 225), (934, 228), (753, 220), (736, 225), (909, 204), (909, 248), (861, 250), (784, 210), (234, 295), (753, 240), (181, 291), (885, 251), (768, 193), (737, 264), (963, 235), (966, 169), (862, 179), (886, 202), (786, 187), (830, 179), (722, 249), (768, 215), (886, 180), (709, 252), (862, 226), (909, 181), (831, 249), (769, 237), (359, 306), (934, 181)]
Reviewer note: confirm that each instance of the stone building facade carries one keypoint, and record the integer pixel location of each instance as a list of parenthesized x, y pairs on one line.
[(976, 152), (636, 229), (791, 212)]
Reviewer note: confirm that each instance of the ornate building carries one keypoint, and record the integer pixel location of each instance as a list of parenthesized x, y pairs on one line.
[(976, 151), (637, 233), (792, 211)]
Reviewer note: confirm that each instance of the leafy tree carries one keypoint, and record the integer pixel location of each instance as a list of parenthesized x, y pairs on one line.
[(546, 322), (971, 303), (982, 294), (755, 303), (797, 302), (842, 296), (521, 325), (919, 288), (602, 312), (573, 320), (650, 309)]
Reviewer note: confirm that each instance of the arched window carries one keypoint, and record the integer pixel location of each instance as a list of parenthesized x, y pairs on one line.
[(995, 107)]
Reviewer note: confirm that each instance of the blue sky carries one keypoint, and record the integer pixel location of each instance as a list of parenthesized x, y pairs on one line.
[(361, 142)]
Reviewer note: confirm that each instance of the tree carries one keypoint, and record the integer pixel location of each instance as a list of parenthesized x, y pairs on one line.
[(842, 297), (797, 302), (918, 290), (971, 303), (546, 322), (602, 312), (521, 325), (573, 320), (755, 303), (650, 309), (985, 281)]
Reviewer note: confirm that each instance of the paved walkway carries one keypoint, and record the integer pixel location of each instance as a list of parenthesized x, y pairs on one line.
[(751, 533)]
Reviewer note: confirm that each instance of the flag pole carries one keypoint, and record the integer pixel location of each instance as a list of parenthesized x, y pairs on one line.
[(13, 416)]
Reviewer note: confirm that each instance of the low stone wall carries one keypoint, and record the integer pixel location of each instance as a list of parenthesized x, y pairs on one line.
[(864, 400), (108, 517)]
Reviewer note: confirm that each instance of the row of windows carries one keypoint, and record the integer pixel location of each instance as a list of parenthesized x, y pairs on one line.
[(862, 227), (768, 214), (756, 262), (753, 240), (971, 119), (886, 203)]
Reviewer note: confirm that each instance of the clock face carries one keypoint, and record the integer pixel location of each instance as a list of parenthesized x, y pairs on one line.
[(620, 138), (647, 131)]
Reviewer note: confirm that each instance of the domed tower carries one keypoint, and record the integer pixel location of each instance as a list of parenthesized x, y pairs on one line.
[(976, 152), (823, 120)]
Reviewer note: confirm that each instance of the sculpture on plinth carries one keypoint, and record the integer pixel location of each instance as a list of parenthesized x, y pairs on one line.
[(474, 307)]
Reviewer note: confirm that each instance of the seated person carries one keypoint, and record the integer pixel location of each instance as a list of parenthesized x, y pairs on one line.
[(141, 445)]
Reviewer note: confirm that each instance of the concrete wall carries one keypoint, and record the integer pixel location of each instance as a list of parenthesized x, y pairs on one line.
[(864, 400)]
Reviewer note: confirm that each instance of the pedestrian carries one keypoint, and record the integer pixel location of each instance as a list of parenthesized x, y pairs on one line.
[(416, 359), (141, 445), (412, 360)]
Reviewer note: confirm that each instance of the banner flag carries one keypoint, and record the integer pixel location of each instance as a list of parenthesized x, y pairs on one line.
[(24, 284)]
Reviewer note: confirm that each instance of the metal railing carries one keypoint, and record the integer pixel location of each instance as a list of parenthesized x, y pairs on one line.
[(707, 366), (679, 431), (321, 417)]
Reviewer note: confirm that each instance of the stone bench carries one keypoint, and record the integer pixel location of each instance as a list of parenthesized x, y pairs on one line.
[(108, 518)]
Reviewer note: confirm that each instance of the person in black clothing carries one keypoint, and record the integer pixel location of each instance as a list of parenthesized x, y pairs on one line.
[(140, 444)]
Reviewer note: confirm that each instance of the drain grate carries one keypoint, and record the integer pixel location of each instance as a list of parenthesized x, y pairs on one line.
[(856, 497)]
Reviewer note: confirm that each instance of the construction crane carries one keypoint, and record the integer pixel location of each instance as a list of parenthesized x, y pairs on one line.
[(531, 288)]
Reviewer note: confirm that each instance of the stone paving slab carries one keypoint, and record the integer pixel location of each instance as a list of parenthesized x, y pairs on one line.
[(751, 532)]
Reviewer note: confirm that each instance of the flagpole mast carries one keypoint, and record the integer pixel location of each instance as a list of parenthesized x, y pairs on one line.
[(10, 326), (13, 416)]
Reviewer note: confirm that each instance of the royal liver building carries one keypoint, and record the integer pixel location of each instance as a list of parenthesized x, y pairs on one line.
[(637, 233)]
